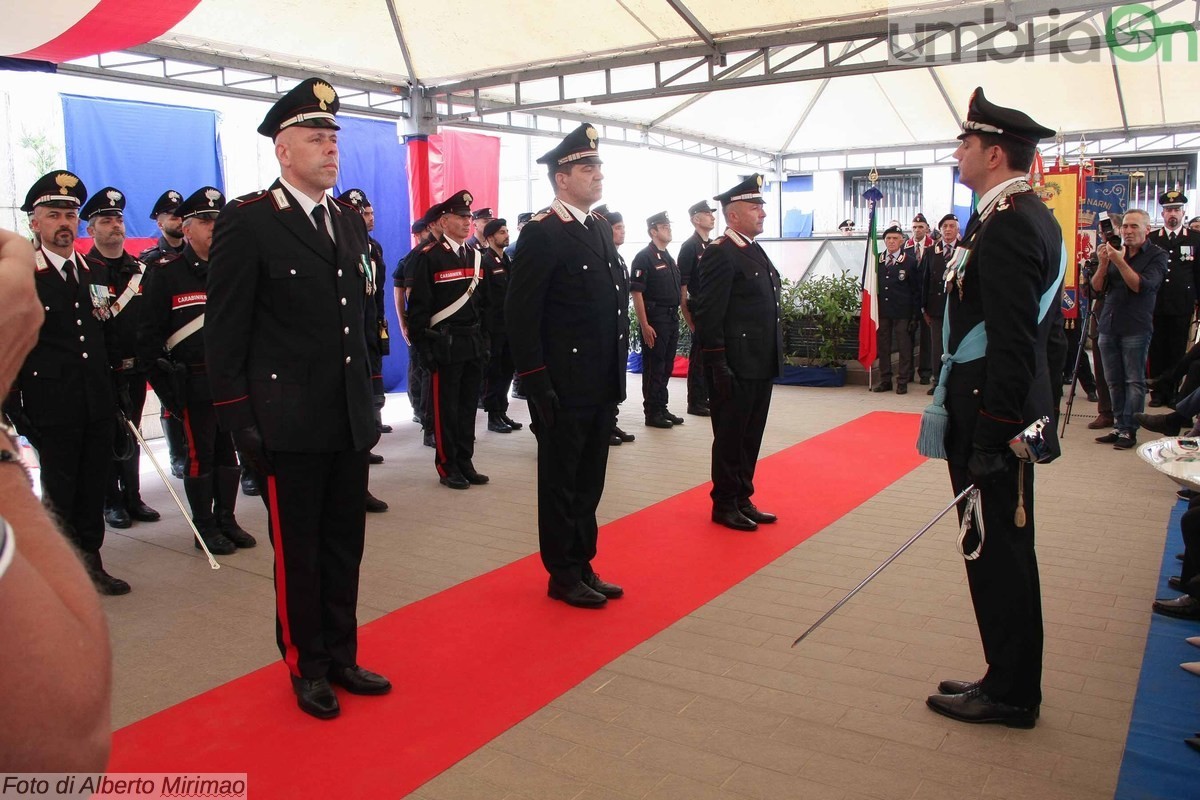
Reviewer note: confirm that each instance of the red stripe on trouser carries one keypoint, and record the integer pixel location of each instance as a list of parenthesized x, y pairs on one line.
[(290, 656), (193, 462), (437, 423)]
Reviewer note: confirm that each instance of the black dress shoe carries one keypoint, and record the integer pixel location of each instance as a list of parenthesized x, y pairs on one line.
[(1108, 438), (924, 380), (609, 590), (734, 519), (374, 458), (375, 505), (217, 543), (177, 469), (625, 437), (614, 440), (117, 517), (249, 486), (315, 696), (108, 585), (428, 440), (578, 595), (902, 389), (456, 482), (496, 423), (956, 687), (699, 411), (1166, 424), (512, 423), (975, 706), (659, 421), (357, 680), (674, 419), (475, 478), (1182, 607), (385, 428), (883, 387), (751, 512), (142, 512)]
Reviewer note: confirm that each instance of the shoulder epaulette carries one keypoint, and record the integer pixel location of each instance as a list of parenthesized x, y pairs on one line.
[(717, 240), (250, 198), (541, 215), (167, 258), (429, 246)]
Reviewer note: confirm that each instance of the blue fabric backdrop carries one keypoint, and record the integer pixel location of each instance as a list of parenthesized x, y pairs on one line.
[(375, 160), (143, 149)]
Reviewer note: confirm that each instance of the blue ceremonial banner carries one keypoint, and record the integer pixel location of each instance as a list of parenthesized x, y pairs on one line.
[(375, 160), (1109, 194), (143, 149)]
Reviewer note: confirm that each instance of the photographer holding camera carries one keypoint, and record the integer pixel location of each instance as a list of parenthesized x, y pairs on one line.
[(1130, 271)]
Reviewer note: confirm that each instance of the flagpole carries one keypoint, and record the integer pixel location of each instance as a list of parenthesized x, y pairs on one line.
[(868, 325)]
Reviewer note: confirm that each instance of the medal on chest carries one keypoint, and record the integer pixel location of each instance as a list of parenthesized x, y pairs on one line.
[(956, 269)]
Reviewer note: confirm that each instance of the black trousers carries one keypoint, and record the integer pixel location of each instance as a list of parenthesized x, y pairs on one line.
[(925, 359), (76, 460), (893, 335), (173, 432), (454, 390), (317, 522), (936, 348), (1167, 346), (1006, 592), (124, 480), (659, 361), (697, 390), (498, 375), (207, 445), (418, 389), (737, 422), (572, 463)]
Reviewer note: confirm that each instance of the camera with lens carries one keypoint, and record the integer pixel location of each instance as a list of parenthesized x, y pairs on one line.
[(1108, 233)]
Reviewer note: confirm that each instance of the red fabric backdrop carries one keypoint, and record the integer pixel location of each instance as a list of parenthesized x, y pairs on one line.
[(444, 163)]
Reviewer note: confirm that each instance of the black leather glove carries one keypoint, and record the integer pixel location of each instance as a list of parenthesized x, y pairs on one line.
[(545, 405), (124, 401), (164, 387), (250, 447), (987, 465), (722, 379)]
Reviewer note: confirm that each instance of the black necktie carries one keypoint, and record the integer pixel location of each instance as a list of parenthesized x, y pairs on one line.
[(1171, 236), (462, 254), (318, 215), (69, 273)]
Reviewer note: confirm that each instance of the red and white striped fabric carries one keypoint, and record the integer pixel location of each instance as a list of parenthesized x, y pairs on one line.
[(59, 32)]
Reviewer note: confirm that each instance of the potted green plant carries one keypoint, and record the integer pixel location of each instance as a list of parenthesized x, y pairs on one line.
[(820, 319)]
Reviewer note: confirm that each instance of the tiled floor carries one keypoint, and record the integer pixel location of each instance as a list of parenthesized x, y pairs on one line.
[(719, 705)]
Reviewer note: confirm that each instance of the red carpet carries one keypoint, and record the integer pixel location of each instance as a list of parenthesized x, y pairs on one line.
[(474, 660)]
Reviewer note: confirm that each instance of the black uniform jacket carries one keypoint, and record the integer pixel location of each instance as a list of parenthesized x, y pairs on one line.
[(124, 318), (934, 291), (1178, 292), (160, 249), (67, 377), (654, 274), (496, 271), (440, 278), (737, 311), (176, 293), (689, 255), (567, 309), (1014, 259), (284, 332), (899, 286)]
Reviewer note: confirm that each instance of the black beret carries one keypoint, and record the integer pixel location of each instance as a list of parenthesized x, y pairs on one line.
[(580, 146), (920, 218), (946, 219), (59, 188), (846, 224), (493, 226), (419, 226), (700, 208), (457, 203), (524, 217), (481, 213), (1172, 198), (356, 198), (657, 219), (108, 202), (984, 116), (613, 217), (749, 190), (311, 104), (207, 201), (894, 229), (166, 203)]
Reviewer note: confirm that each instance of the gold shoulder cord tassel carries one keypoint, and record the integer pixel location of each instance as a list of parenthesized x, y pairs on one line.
[(1019, 514)]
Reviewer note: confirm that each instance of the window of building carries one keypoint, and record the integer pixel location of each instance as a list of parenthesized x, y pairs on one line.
[(901, 197)]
